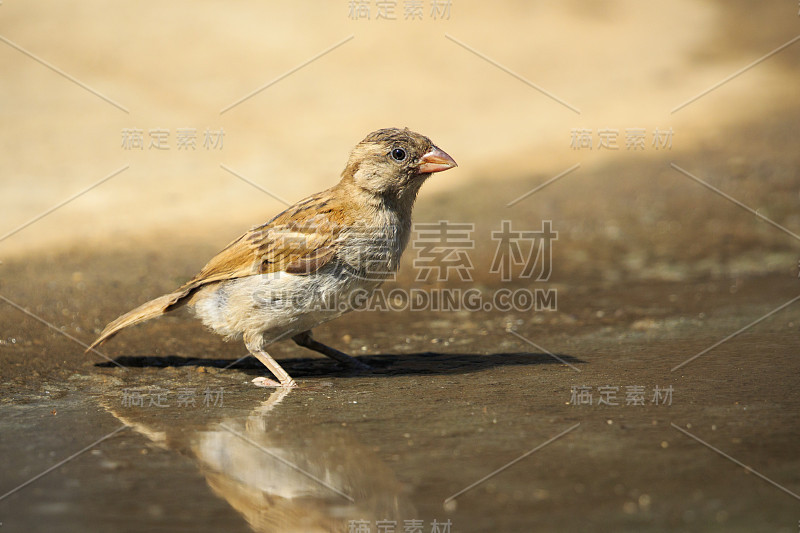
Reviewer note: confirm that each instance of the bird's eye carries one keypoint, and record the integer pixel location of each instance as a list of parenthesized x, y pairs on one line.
[(398, 154)]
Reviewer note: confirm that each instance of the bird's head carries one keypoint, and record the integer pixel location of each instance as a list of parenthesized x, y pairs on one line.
[(393, 162)]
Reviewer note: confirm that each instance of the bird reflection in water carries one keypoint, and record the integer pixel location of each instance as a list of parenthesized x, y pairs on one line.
[(283, 479)]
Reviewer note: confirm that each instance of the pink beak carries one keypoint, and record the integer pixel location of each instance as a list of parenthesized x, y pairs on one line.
[(435, 161)]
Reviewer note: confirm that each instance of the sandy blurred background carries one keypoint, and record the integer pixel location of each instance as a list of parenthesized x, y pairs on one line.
[(622, 64)]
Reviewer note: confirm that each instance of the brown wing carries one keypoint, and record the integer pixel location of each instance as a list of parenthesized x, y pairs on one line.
[(300, 241)]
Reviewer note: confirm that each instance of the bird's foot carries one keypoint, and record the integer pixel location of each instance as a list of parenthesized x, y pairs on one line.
[(266, 382), (305, 340), (355, 364)]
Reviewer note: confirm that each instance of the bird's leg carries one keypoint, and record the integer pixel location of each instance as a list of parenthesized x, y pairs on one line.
[(305, 340), (266, 359)]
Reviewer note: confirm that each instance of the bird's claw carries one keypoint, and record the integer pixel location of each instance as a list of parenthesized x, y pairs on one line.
[(261, 381)]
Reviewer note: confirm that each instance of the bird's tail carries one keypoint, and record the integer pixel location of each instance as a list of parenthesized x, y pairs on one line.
[(144, 312)]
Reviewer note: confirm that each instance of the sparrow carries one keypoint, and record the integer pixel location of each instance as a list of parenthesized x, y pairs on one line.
[(302, 268)]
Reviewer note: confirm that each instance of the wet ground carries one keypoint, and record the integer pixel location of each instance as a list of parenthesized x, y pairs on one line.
[(189, 444)]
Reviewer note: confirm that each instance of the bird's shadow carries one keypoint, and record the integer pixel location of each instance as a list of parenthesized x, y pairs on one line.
[(408, 364)]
